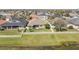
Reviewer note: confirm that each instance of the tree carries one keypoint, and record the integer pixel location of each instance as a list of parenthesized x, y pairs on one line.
[(2, 17), (59, 24)]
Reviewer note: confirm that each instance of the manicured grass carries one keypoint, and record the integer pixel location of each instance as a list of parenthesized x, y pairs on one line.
[(48, 39), (40, 30), (9, 32), (73, 30), (39, 40), (10, 41)]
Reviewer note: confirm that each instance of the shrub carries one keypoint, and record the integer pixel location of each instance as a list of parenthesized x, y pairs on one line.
[(47, 26), (70, 27), (31, 30), (56, 28), (25, 30), (2, 29), (59, 28), (63, 29)]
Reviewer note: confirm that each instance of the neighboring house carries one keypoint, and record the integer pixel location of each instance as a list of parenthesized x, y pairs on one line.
[(74, 22), (13, 23), (2, 21), (56, 19), (5, 14), (73, 13), (66, 17), (36, 22), (43, 17)]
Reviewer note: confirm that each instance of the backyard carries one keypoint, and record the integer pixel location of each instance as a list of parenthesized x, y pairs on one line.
[(37, 40)]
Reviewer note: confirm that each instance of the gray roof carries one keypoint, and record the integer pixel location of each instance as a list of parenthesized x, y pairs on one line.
[(74, 21), (16, 22), (13, 24), (44, 14)]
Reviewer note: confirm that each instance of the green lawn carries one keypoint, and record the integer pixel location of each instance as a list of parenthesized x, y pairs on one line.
[(9, 32), (10, 41), (48, 39), (39, 40), (40, 30)]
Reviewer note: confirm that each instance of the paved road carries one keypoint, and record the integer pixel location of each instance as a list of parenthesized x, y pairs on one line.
[(10, 36), (51, 33)]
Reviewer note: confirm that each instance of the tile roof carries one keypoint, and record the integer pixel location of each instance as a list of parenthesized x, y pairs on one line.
[(2, 21), (36, 22)]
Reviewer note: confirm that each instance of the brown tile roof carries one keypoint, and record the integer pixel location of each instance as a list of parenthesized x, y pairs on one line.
[(34, 16), (36, 22), (2, 21)]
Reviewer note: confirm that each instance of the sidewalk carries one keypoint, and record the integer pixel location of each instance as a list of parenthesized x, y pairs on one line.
[(51, 33)]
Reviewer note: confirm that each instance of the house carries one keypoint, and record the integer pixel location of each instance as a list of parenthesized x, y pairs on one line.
[(43, 16), (74, 22), (13, 23), (2, 21), (6, 13), (36, 22), (46, 15), (73, 13)]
